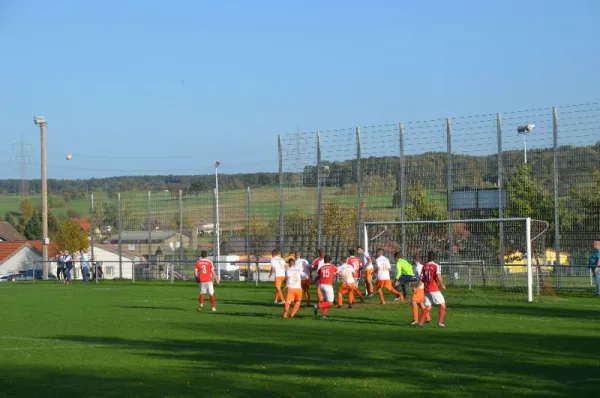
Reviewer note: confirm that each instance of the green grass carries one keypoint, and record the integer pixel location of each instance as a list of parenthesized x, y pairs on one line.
[(118, 339)]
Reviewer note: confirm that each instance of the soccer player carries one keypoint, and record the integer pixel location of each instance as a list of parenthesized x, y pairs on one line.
[(369, 270), (278, 268), (594, 265), (418, 293), (316, 264), (204, 273), (383, 267), (404, 273), (432, 278), (346, 271), (294, 288), (325, 274), (356, 265), (305, 266)]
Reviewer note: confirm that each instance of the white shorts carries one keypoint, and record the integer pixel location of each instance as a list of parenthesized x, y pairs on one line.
[(327, 291), (434, 297), (207, 287)]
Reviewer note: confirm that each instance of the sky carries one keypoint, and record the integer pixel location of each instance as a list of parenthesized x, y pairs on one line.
[(134, 87)]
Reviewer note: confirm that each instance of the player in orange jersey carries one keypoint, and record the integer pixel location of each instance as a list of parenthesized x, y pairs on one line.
[(326, 274), (306, 267), (346, 272), (383, 267), (357, 266), (278, 268), (204, 273), (294, 288)]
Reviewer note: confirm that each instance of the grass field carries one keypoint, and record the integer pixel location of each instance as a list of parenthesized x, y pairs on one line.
[(118, 339)]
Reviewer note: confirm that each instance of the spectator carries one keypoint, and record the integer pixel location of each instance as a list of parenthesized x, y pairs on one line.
[(59, 264), (595, 265), (68, 262), (84, 261)]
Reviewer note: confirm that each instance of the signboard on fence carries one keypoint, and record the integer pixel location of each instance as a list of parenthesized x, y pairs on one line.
[(477, 199)]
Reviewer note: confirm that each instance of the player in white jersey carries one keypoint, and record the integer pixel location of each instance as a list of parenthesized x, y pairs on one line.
[(346, 272), (368, 270), (294, 288), (303, 264), (383, 267), (278, 268)]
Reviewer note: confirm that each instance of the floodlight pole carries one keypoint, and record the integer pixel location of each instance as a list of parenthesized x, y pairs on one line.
[(41, 122), (525, 147), (217, 226)]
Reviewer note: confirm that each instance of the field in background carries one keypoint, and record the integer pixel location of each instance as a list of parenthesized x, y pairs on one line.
[(118, 339)]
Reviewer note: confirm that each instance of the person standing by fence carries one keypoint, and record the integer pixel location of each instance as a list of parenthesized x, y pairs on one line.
[(68, 264), (59, 265), (84, 261), (595, 265)]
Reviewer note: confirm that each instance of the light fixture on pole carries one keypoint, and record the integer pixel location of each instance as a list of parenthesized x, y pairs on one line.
[(524, 130), (217, 226), (41, 122)]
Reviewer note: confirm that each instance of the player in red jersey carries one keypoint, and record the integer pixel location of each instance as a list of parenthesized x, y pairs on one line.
[(431, 276), (204, 273), (316, 264), (356, 264), (326, 274)]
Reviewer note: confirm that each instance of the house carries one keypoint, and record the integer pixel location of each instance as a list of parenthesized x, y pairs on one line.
[(8, 233), (23, 255), (107, 256), (137, 241)]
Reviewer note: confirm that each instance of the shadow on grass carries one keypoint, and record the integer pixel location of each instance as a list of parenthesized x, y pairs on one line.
[(531, 310), (143, 307)]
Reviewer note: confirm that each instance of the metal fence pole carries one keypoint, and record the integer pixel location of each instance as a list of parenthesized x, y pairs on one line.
[(500, 196), (120, 227), (449, 197), (359, 186), (248, 222), (281, 222), (402, 188), (92, 237), (215, 233), (149, 232), (556, 193), (180, 235), (319, 194)]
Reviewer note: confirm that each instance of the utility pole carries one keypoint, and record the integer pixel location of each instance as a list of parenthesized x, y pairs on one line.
[(41, 122)]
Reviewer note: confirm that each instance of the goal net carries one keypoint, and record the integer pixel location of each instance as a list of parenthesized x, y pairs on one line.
[(502, 254)]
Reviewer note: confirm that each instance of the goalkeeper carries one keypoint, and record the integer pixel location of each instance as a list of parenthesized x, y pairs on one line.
[(404, 273)]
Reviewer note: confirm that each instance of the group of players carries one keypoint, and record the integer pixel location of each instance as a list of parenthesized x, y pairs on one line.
[(297, 273)]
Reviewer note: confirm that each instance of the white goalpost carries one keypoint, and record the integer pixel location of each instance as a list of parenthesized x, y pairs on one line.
[(500, 253)]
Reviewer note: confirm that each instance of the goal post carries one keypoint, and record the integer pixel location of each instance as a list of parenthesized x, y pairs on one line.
[(505, 249)]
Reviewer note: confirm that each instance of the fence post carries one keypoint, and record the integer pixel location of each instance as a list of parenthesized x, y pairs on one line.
[(216, 233), (132, 271), (556, 193), (281, 224), (402, 188), (181, 235), (148, 220), (500, 196), (119, 227), (359, 186), (470, 275), (449, 196), (92, 237), (319, 194), (248, 232)]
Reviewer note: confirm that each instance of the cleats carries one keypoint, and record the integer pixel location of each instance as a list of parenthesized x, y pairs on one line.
[(214, 309), (441, 325), (316, 309), (421, 325), (324, 317), (349, 306), (397, 299), (199, 309), (414, 323)]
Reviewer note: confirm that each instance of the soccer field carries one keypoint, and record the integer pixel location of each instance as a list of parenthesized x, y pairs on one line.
[(118, 339)]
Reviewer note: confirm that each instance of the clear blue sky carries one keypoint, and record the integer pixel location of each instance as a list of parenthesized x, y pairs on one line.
[(159, 87)]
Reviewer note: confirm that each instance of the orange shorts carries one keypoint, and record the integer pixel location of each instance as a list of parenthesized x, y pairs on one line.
[(346, 288), (387, 284), (419, 296), (294, 295), (279, 281), (305, 285), (369, 275)]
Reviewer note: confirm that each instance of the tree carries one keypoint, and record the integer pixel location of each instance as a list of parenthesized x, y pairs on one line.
[(71, 237), (33, 229), (339, 220), (258, 241), (199, 186), (26, 209)]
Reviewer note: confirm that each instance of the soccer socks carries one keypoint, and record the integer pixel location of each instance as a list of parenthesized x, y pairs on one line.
[(212, 301), (201, 299), (340, 299), (307, 296), (380, 293), (286, 309), (351, 299), (397, 293), (279, 294), (319, 293), (296, 308), (425, 314), (442, 313), (415, 310), (358, 293), (324, 306)]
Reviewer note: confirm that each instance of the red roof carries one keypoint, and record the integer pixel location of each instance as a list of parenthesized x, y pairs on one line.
[(7, 249), (83, 223)]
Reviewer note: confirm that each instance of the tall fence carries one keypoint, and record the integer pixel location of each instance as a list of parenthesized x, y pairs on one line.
[(541, 163)]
